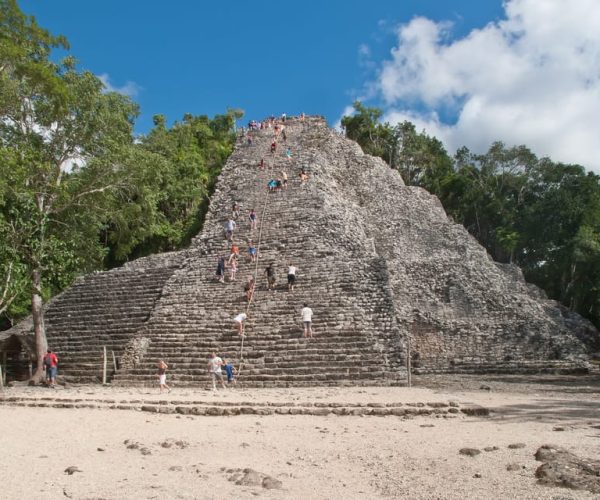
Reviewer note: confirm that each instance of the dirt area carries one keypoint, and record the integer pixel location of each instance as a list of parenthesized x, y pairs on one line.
[(112, 454)]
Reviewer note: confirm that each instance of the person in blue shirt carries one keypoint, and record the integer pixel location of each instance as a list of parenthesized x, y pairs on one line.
[(230, 371)]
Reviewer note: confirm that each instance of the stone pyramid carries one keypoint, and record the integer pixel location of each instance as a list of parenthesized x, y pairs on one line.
[(385, 271)]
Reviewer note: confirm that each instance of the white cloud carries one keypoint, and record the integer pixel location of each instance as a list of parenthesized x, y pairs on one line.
[(130, 88), (531, 78)]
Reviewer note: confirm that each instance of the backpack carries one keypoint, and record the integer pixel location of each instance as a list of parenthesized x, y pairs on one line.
[(47, 361)]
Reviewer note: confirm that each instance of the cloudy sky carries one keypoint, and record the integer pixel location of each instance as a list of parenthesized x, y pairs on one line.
[(531, 77), (467, 71)]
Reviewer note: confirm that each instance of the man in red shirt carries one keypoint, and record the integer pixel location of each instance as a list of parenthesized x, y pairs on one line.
[(51, 365)]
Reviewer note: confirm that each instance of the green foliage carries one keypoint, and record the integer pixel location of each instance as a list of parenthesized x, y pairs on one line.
[(420, 159), (542, 215), (77, 193), (175, 172)]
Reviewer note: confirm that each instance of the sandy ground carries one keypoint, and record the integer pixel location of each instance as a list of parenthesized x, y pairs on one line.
[(313, 457)]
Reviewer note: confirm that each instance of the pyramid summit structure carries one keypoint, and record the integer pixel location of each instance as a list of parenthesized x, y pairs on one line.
[(387, 274)]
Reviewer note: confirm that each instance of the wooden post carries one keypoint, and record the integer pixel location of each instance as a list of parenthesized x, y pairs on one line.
[(408, 356), (114, 360), (5, 364), (104, 368), (1, 379)]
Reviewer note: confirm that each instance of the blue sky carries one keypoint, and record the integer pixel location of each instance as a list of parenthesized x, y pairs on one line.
[(264, 57), (469, 72)]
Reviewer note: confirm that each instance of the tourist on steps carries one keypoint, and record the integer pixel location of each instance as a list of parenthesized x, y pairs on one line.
[(303, 175), (229, 228), (273, 147), (234, 252), (291, 276), (253, 219), (252, 251), (261, 164), (284, 179), (162, 375), (271, 278), (230, 371), (288, 153), (235, 210), (249, 289), (307, 314), (233, 267), (50, 361), (239, 323), (214, 368), (220, 274)]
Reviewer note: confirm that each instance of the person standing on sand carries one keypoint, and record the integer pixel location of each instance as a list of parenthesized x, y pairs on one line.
[(307, 320), (162, 375), (214, 368), (230, 371), (50, 361)]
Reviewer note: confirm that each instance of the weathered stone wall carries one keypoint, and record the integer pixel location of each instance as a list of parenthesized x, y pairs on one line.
[(463, 311)]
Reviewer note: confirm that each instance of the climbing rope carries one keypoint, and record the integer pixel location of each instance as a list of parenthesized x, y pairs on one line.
[(251, 299)]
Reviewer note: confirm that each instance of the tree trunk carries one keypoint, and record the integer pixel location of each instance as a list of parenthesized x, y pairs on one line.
[(41, 344)]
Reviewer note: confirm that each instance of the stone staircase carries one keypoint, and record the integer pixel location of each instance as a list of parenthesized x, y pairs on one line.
[(355, 340), (103, 310)]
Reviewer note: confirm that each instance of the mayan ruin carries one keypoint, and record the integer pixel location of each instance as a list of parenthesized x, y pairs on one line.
[(379, 275), (316, 250)]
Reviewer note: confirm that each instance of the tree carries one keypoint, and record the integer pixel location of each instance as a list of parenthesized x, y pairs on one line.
[(364, 128), (175, 170), (61, 137)]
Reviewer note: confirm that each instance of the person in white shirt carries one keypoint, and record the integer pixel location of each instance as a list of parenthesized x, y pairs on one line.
[(214, 368), (229, 228), (239, 323), (291, 276), (307, 320)]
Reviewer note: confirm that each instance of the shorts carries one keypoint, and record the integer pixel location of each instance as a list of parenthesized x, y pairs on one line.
[(51, 372), (291, 279), (252, 251), (162, 379), (271, 280), (307, 324), (217, 377)]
